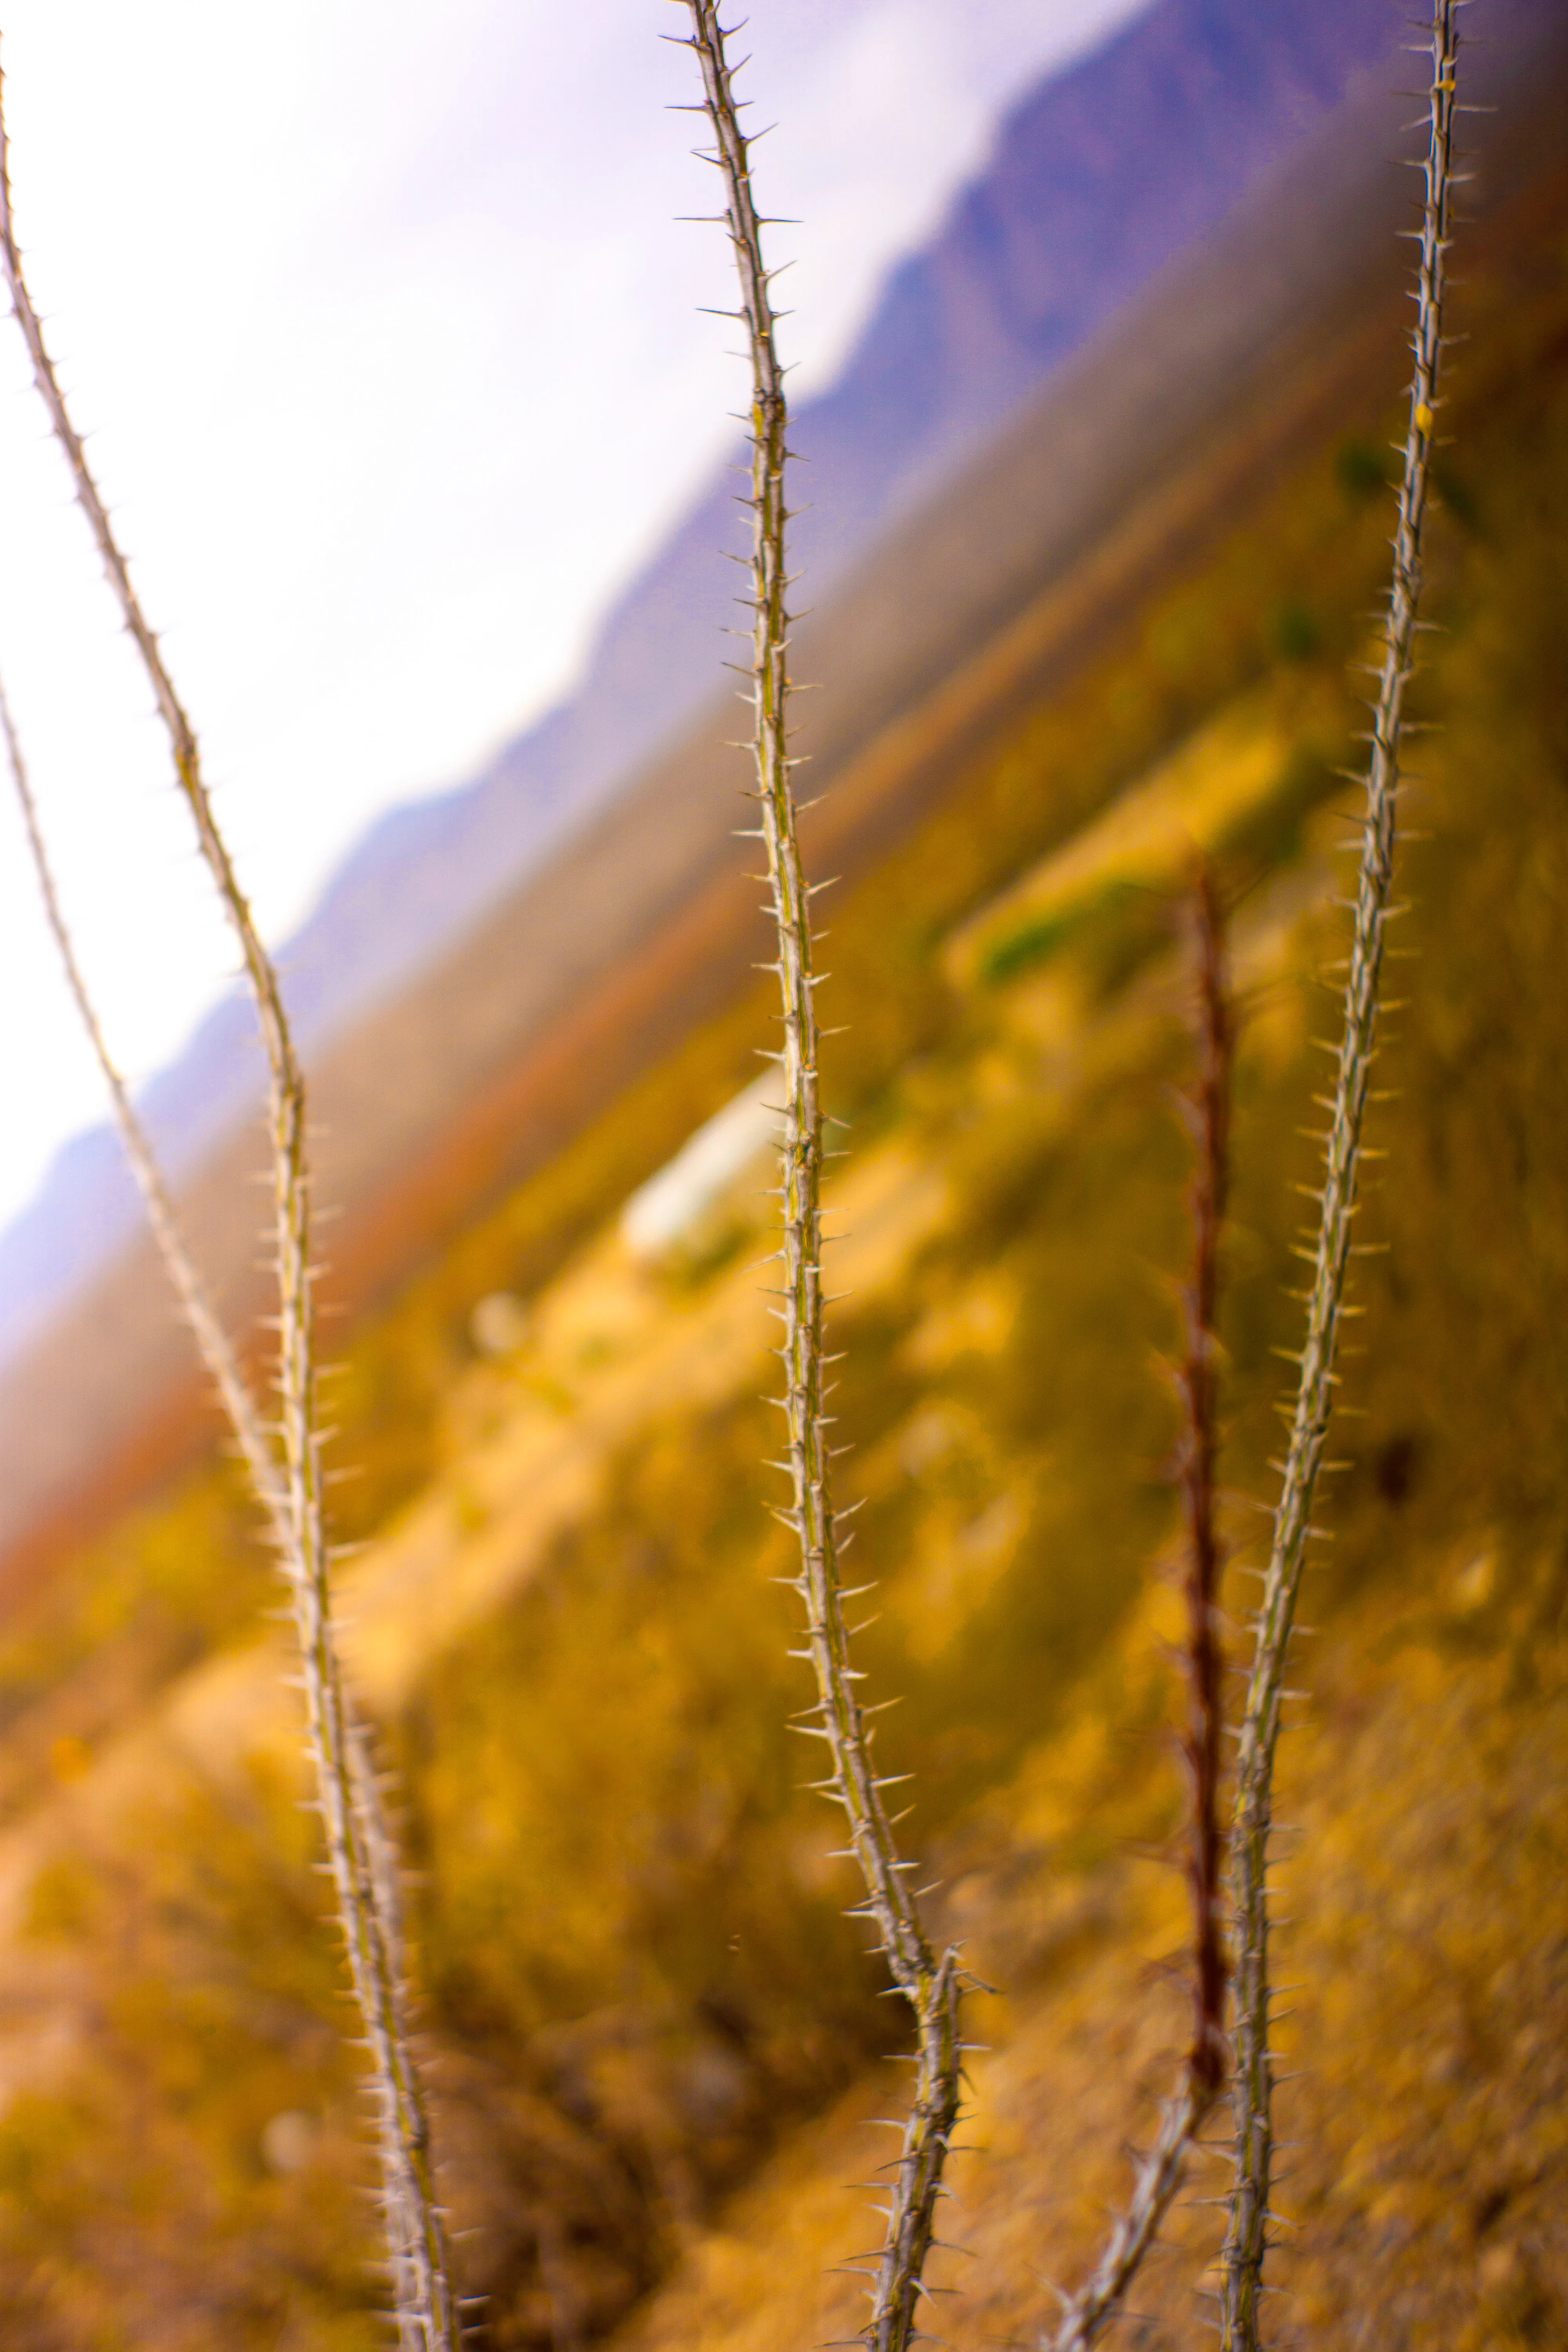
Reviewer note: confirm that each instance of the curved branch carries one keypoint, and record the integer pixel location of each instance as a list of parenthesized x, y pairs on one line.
[(1247, 2240), (359, 1846)]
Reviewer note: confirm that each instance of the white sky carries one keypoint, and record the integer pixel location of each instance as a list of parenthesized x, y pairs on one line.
[(386, 336)]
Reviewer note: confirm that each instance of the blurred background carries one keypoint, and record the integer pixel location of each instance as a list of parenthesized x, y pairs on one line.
[(400, 376), (390, 344)]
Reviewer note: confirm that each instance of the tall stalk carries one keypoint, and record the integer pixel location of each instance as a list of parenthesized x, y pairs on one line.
[(360, 1848), (1159, 2174), (930, 1984), (1247, 2238)]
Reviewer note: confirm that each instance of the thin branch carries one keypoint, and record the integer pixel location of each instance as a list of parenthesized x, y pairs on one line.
[(217, 1349), (1247, 2240), (1159, 2174), (213, 1342), (359, 1846), (931, 1984)]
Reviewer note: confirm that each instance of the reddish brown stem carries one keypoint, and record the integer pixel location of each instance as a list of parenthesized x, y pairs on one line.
[(1199, 1449), (1160, 2173)]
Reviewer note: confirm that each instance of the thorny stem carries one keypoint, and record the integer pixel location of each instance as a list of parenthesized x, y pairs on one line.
[(359, 1847), (213, 1341), (931, 1984), (217, 1349), (1247, 2240), (1159, 2174)]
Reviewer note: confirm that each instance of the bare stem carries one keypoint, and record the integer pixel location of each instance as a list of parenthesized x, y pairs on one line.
[(1246, 2239), (931, 1984), (1159, 2174), (359, 1845)]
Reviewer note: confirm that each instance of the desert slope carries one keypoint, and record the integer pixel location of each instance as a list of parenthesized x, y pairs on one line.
[(1123, 469), (654, 2040), (1096, 181)]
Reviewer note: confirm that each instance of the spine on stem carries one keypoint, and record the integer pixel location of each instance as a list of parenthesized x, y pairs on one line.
[(929, 1983), (1246, 2239), (359, 1847)]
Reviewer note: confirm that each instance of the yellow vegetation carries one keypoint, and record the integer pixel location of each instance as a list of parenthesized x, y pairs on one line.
[(655, 2037)]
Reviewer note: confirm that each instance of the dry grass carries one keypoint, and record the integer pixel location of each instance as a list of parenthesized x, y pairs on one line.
[(617, 2056), (1428, 2130)]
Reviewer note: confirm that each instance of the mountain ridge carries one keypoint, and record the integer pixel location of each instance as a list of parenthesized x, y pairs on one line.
[(1096, 179)]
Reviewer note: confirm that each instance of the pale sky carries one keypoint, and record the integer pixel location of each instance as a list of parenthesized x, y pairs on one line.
[(387, 338)]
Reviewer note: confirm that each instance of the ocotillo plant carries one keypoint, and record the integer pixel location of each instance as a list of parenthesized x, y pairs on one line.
[(1329, 1252), (1159, 2174), (359, 1846), (930, 1984)]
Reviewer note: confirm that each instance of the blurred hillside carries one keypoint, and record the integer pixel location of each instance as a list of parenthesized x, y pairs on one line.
[(1095, 180), (1099, 179), (1122, 470), (655, 2039)]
